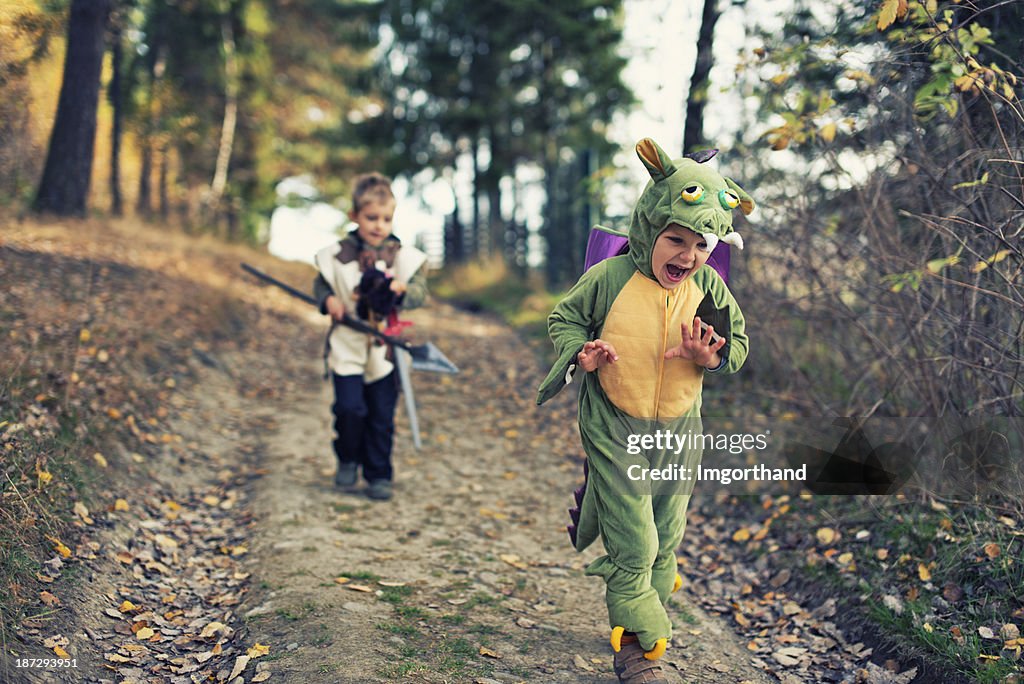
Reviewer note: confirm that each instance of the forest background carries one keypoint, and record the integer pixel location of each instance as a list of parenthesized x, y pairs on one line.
[(882, 142)]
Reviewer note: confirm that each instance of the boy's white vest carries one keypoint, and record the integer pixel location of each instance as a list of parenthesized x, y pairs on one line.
[(350, 351)]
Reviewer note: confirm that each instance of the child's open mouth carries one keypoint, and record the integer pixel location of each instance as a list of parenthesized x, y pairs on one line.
[(675, 273)]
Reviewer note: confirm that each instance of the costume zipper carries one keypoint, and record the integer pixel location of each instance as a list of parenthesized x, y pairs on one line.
[(661, 359)]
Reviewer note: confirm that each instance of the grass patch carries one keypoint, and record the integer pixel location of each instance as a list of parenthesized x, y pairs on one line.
[(361, 575)]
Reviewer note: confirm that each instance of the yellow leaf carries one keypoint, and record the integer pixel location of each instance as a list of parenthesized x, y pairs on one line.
[(826, 535), (341, 580), (257, 651), (513, 560), (84, 335), (126, 606), (992, 550), (741, 535), (484, 651), (887, 14), (100, 460), (61, 653), (511, 434), (828, 132), (923, 572), (145, 633), (44, 477), (120, 505), (114, 413), (48, 598), (59, 547)]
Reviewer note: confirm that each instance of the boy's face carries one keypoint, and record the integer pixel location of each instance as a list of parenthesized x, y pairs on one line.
[(677, 253), (374, 220)]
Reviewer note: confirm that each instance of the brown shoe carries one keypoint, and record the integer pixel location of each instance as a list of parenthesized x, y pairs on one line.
[(633, 668)]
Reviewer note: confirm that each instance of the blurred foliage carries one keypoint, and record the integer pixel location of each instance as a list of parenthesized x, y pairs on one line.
[(893, 207)]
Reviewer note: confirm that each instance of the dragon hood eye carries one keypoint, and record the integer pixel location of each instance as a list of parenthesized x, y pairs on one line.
[(693, 193), (728, 199)]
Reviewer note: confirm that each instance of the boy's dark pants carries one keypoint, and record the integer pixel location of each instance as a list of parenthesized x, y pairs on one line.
[(364, 423)]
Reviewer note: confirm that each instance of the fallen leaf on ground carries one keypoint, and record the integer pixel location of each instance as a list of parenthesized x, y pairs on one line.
[(59, 547), (513, 560), (240, 664), (212, 629), (826, 535), (789, 656), (360, 587)]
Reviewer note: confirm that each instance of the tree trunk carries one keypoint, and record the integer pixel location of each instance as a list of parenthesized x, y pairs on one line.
[(114, 96), (64, 187), (227, 131), (165, 207), (475, 231), (144, 201), (696, 99), (155, 67)]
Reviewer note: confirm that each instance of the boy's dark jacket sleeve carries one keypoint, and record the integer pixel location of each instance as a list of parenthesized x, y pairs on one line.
[(725, 315), (574, 322)]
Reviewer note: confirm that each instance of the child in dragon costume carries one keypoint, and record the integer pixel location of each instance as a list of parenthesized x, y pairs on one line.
[(638, 325)]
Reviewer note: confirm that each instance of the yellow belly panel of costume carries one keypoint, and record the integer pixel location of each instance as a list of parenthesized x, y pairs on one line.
[(642, 324)]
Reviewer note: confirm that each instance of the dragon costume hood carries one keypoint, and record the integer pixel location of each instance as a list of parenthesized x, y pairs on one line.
[(685, 192)]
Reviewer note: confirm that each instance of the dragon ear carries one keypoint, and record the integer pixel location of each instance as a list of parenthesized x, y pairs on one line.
[(746, 202), (658, 164)]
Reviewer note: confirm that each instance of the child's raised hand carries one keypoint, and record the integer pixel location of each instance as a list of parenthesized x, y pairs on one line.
[(596, 354), (701, 349)]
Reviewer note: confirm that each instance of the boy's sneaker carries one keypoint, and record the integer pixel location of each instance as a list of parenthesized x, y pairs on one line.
[(346, 475), (379, 490), (632, 667)]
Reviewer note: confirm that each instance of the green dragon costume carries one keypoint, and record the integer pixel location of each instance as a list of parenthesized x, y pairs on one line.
[(620, 301)]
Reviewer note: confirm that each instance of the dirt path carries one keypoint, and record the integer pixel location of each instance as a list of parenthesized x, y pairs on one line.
[(467, 574)]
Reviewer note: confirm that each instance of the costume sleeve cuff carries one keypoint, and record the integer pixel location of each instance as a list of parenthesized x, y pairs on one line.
[(720, 366)]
